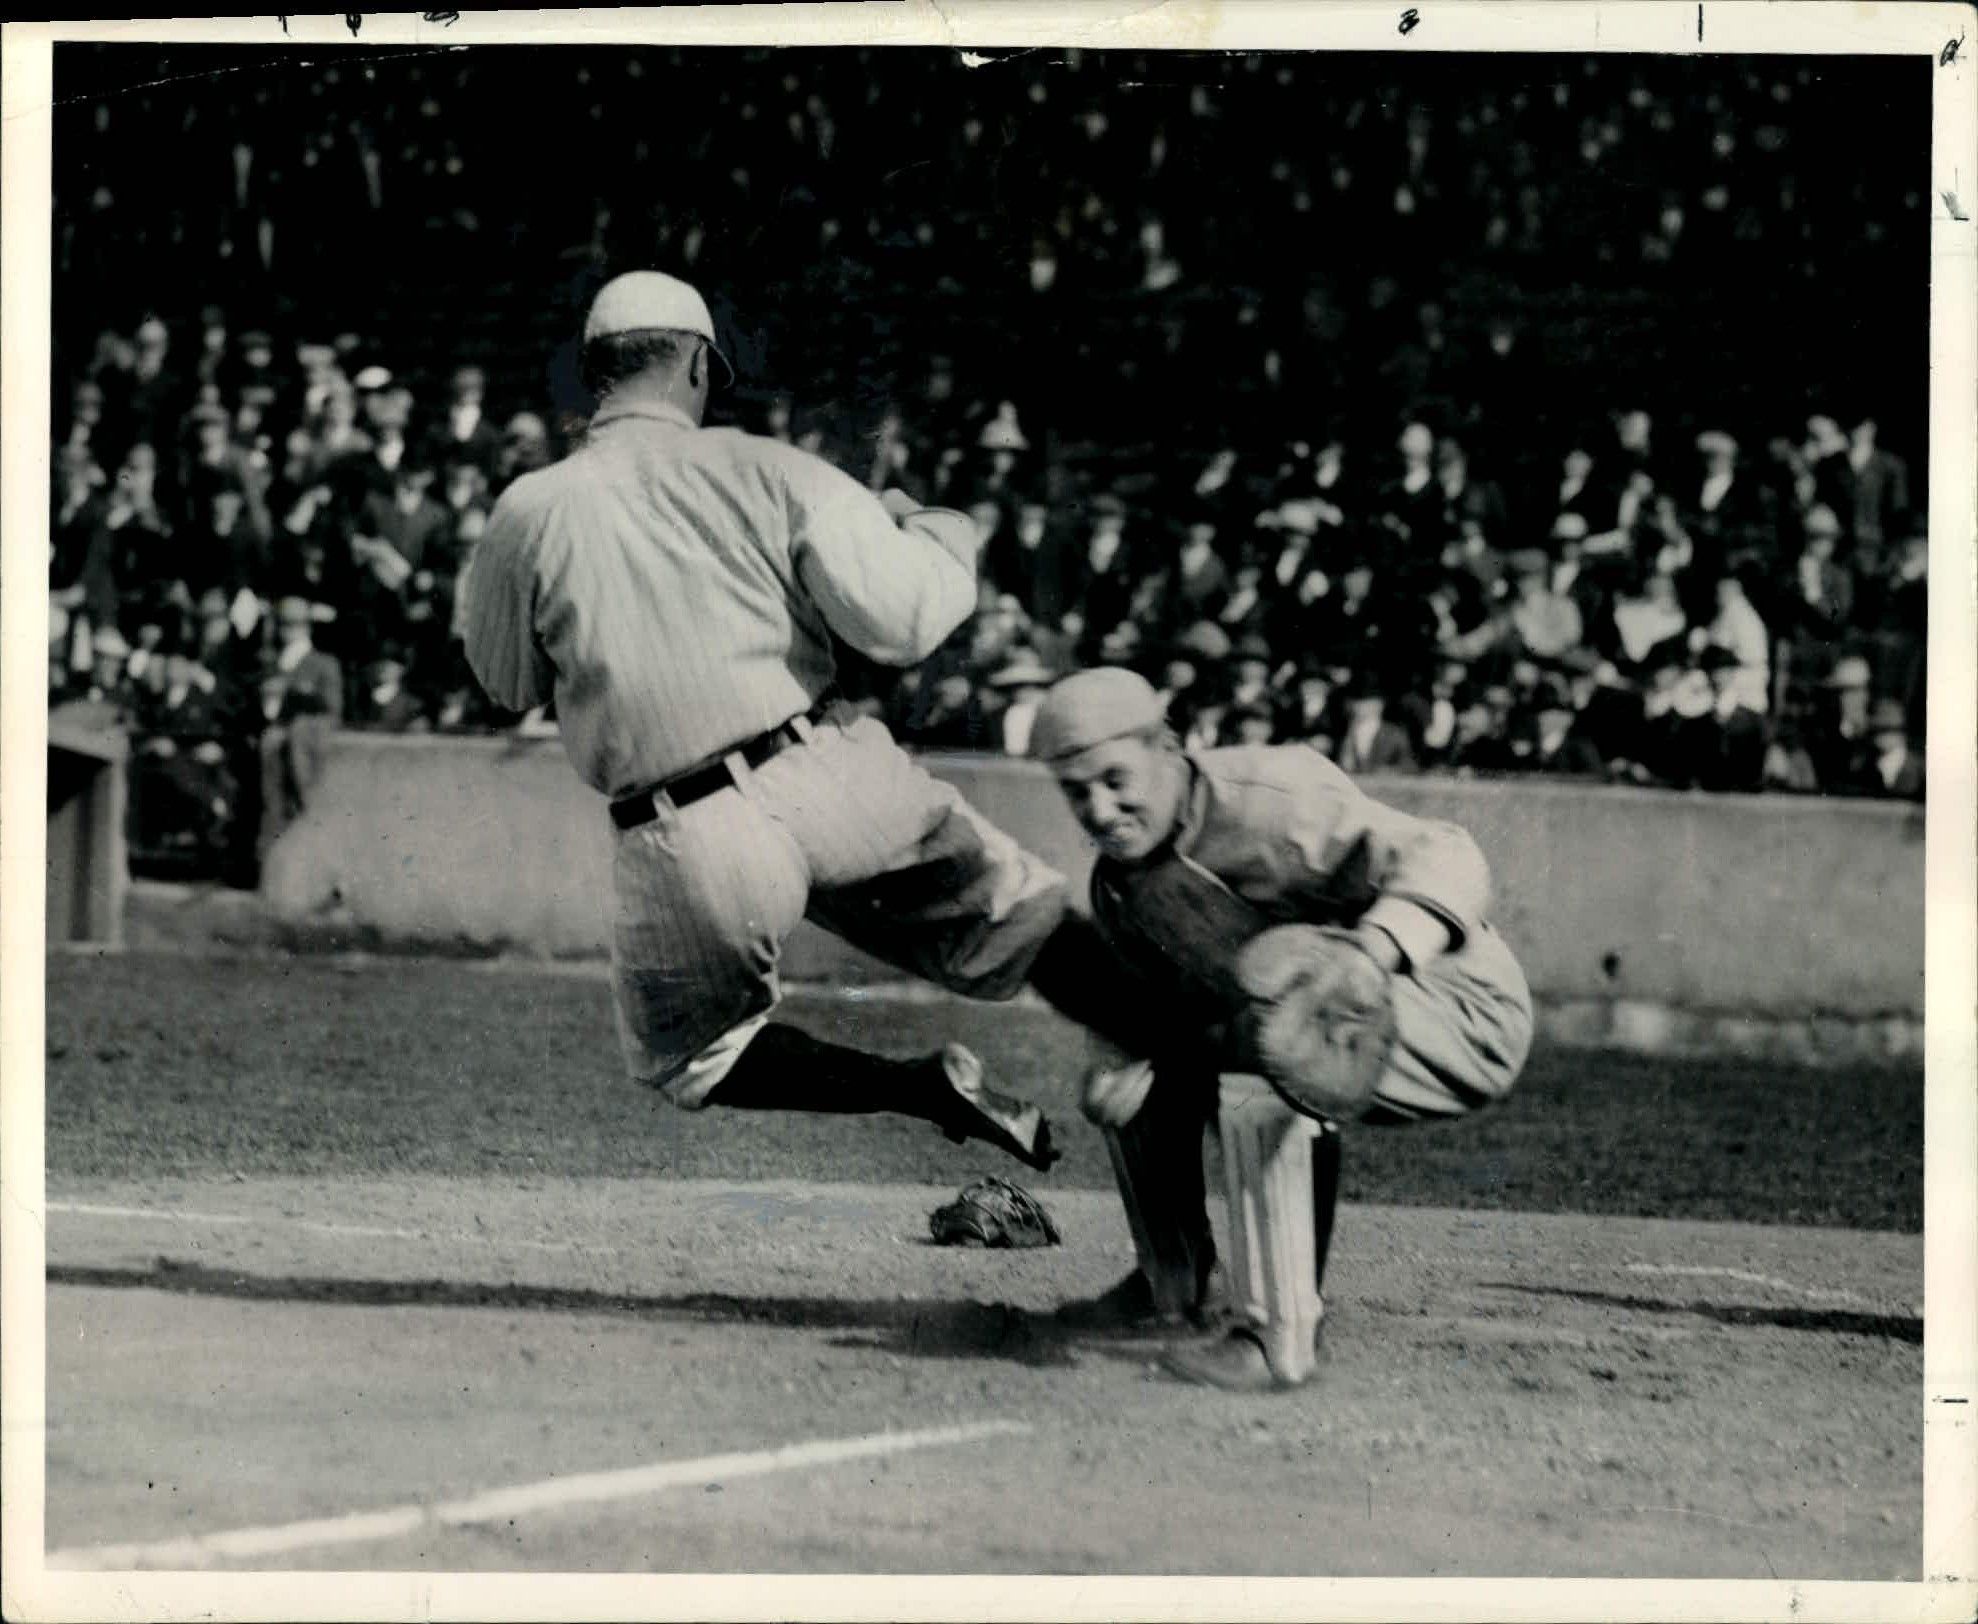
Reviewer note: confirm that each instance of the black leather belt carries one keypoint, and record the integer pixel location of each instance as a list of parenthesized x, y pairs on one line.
[(630, 811)]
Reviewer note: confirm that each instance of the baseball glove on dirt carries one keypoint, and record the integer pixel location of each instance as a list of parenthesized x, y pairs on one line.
[(993, 1212), (1320, 1020)]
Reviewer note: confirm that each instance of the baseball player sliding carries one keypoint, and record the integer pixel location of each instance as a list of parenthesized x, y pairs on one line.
[(675, 590), (1286, 955)]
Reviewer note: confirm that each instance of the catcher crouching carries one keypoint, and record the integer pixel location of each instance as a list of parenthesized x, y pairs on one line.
[(1272, 950)]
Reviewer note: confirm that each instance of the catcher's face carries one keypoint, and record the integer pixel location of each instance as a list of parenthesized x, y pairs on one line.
[(1126, 794)]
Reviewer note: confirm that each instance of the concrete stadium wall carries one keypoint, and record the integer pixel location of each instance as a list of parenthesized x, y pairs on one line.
[(1629, 908)]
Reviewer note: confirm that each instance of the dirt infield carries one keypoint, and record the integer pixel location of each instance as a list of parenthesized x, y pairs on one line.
[(1502, 1393), (407, 1262)]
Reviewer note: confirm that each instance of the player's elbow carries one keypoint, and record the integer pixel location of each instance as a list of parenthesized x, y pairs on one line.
[(923, 626)]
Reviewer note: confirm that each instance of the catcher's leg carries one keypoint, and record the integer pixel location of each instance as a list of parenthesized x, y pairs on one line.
[(1326, 1161), (1273, 1243), (1156, 1154)]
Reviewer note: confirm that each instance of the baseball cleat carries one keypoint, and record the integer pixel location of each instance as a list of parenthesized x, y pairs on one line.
[(1128, 1308), (981, 1112), (1236, 1363)]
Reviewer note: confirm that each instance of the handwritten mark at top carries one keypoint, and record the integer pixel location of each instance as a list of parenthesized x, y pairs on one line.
[(1948, 54), (1409, 19), (354, 20)]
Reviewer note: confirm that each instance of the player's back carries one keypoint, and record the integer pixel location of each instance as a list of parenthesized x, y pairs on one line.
[(664, 594)]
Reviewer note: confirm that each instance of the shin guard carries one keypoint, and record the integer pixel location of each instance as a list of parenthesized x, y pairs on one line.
[(1273, 1262)]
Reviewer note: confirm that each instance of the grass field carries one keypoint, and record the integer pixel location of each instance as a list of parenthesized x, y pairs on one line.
[(180, 1067)]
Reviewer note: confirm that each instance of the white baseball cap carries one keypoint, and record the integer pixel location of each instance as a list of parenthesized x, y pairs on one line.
[(641, 300)]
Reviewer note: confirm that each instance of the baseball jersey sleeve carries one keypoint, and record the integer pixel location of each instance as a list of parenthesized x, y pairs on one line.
[(1431, 881), (892, 591), (499, 630)]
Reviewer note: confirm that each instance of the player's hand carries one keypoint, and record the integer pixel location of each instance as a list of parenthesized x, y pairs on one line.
[(897, 503)]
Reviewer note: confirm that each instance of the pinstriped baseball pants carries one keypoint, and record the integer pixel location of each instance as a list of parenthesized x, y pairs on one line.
[(844, 829)]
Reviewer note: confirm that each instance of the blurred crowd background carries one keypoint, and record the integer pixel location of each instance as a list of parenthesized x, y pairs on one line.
[(1548, 415)]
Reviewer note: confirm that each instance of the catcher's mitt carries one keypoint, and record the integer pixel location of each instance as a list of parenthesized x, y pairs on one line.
[(993, 1212), (1320, 1019)]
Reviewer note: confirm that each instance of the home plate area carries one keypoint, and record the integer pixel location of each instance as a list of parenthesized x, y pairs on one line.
[(654, 1375)]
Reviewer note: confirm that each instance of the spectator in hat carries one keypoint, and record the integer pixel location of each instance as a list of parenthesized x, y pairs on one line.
[(1349, 620), (465, 495), (465, 435), (1179, 677), (321, 377), (1579, 496), (84, 427), (1308, 714), (210, 459), (1103, 572), (1291, 549), (1610, 713), (987, 514), (1680, 735), (253, 368), (1369, 742), (1246, 611), (1198, 581), (1887, 763), (387, 704), (401, 532), (1644, 621), (225, 551), (81, 566), (1411, 504), (1202, 727), (1250, 672), (1840, 722), (1483, 735), (1000, 447), (1296, 618), (342, 442), (1829, 478), (1788, 765), (388, 416), (1821, 597), (154, 394), (1897, 620), (1019, 687), (1737, 763), (211, 364), (524, 448), (1544, 623), (1429, 714), (1728, 512), (1250, 722), (1880, 496), (1029, 562), (1466, 502), (1218, 490), (1556, 746), (302, 703), (108, 687), (946, 715), (1738, 629)]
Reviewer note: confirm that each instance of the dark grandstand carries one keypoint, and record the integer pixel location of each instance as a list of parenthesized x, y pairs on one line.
[(1456, 414)]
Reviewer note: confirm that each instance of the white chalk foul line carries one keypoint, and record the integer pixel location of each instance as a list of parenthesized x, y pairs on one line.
[(551, 1494), (178, 1215), (1751, 1277)]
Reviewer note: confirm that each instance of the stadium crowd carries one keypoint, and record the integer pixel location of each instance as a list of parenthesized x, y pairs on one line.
[(1418, 527)]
